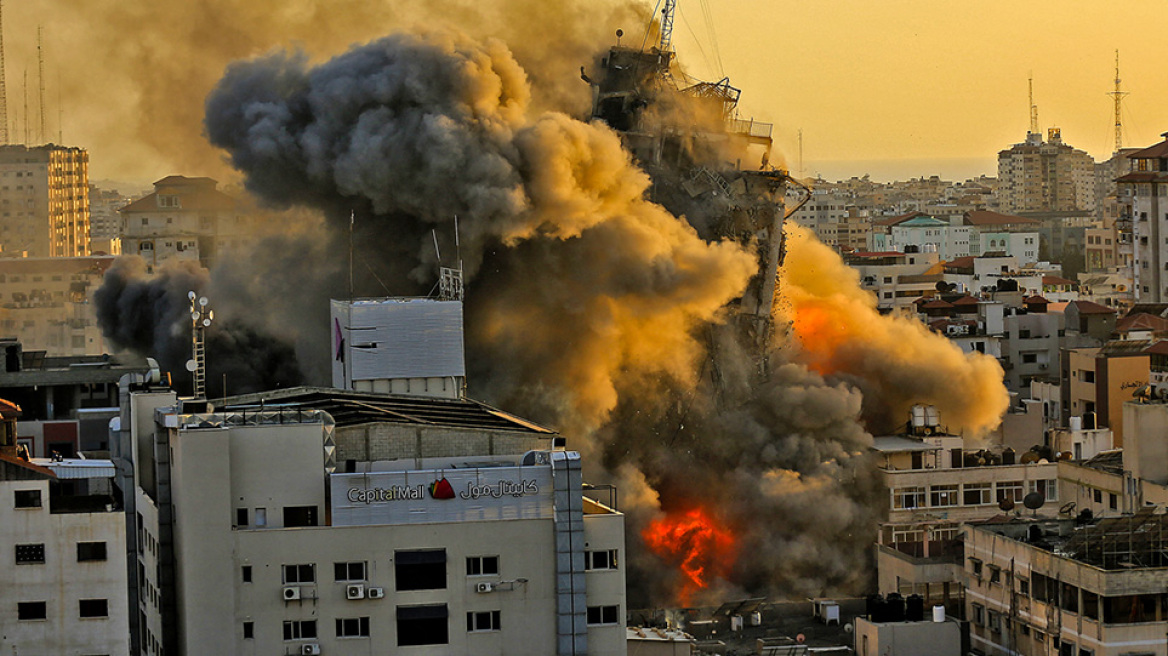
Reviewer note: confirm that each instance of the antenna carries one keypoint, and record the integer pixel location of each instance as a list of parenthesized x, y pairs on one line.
[(201, 317), (352, 221), (1033, 108), (42, 137), (25, 106), (1118, 95), (450, 279), (3, 84), (800, 152), (434, 234)]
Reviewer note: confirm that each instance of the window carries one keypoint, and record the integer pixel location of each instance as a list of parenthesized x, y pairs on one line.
[(976, 494), (261, 517), (241, 516), (482, 565), (30, 553), (249, 630), (975, 567), (1024, 587), (1112, 501), (995, 622), (32, 610), (1097, 495), (483, 621), (995, 574), (420, 570), (943, 496), (605, 559), (1086, 375), (90, 551), (1047, 488), (1012, 490), (908, 497), (28, 498), (422, 625), (353, 627), (979, 614), (94, 608), (300, 630), (300, 573), (354, 571), (603, 615), (1029, 358), (299, 516), (246, 573)]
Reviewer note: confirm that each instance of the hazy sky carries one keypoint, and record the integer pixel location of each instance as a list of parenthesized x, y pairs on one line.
[(897, 87), (928, 80)]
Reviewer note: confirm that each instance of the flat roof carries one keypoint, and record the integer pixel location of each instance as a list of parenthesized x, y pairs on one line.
[(897, 444), (349, 408)]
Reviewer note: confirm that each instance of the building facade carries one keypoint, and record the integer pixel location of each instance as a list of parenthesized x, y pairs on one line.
[(44, 201), (1045, 176)]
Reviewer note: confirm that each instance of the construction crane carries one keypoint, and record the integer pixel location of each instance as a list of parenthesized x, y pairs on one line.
[(665, 43), (1118, 95)]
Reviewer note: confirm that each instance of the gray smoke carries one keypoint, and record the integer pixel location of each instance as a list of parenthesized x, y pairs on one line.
[(588, 307)]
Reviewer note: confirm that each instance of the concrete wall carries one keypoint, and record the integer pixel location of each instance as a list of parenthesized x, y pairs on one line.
[(1146, 453), (908, 638), (386, 441), (61, 581)]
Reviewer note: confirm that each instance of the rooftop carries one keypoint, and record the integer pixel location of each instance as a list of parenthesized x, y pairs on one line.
[(350, 408), (1125, 543), (988, 218)]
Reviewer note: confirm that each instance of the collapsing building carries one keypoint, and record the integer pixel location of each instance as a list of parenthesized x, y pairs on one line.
[(692, 143)]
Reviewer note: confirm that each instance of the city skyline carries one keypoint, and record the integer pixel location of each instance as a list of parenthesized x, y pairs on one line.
[(897, 90)]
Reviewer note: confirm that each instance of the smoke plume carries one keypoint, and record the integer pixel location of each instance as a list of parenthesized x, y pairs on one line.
[(589, 307), (895, 361)]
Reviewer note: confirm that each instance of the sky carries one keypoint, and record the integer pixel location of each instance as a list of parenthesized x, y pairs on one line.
[(896, 88), (928, 85)]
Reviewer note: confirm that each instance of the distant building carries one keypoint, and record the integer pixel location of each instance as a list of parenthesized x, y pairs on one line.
[(44, 201), (1149, 226), (46, 303), (1050, 176), (105, 224), (186, 219)]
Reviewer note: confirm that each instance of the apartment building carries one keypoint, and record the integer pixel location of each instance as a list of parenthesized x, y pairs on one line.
[(46, 303), (1045, 176), (62, 535), (44, 201), (1144, 184), (314, 521)]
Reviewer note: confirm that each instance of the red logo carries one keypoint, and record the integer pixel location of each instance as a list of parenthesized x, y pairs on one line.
[(441, 489)]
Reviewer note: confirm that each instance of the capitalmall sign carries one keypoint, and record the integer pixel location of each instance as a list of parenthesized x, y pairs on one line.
[(442, 489)]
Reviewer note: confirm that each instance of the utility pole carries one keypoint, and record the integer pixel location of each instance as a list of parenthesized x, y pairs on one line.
[(3, 85), (43, 136), (1033, 108), (1118, 95)]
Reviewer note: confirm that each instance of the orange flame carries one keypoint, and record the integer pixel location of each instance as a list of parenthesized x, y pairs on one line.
[(698, 543)]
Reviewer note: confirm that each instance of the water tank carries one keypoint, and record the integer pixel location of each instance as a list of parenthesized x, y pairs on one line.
[(914, 608), (938, 613), (895, 607), (877, 609), (1008, 456), (1076, 424), (735, 622)]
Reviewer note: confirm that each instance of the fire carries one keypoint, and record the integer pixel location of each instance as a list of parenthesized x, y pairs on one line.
[(703, 548)]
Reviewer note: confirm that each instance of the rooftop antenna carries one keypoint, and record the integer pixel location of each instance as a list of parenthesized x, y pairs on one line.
[(26, 140), (665, 44), (43, 136), (3, 85), (450, 279), (800, 152), (201, 317), (1033, 108), (1118, 95)]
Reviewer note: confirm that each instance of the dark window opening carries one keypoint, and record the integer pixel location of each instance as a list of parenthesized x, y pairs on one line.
[(422, 625), (483, 621), (353, 627), (300, 573), (354, 571), (603, 614), (94, 608), (246, 570), (249, 630), (241, 516), (28, 498), (300, 630), (90, 551), (295, 516), (32, 610), (482, 565), (420, 570)]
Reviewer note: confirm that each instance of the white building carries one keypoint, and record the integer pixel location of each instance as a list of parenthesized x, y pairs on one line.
[(323, 521), (1145, 183), (63, 538)]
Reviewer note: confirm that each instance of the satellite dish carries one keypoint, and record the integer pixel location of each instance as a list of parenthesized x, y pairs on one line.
[(203, 301), (192, 365), (1006, 504), (206, 323), (211, 315), (194, 316), (1029, 457), (1162, 392), (1033, 501), (620, 33), (800, 638), (191, 295), (1067, 508), (848, 628)]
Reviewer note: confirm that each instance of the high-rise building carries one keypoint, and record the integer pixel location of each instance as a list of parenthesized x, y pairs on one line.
[(44, 201), (1050, 176), (1144, 184)]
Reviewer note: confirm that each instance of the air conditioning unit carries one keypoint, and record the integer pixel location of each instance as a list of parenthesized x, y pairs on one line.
[(484, 587), (355, 591), (291, 593), (375, 593), (311, 649)]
